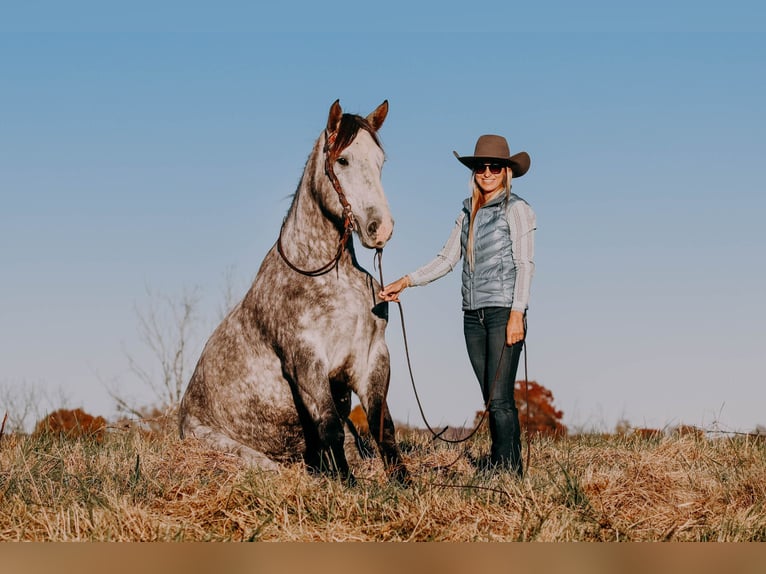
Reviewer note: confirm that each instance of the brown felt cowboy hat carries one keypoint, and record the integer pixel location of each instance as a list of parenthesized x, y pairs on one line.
[(494, 149)]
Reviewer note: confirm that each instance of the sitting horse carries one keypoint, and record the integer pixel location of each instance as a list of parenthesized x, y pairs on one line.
[(274, 381)]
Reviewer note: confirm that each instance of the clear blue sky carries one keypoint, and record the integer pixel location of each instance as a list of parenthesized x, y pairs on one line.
[(156, 146)]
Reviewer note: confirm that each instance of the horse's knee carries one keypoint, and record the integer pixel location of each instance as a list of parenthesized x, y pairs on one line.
[(330, 429), (380, 422)]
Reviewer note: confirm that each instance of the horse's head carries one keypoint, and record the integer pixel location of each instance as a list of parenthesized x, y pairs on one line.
[(355, 158)]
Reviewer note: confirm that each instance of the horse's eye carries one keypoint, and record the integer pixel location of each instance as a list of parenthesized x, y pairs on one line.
[(342, 161)]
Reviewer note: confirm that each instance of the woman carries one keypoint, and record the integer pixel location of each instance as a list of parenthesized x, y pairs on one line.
[(494, 234)]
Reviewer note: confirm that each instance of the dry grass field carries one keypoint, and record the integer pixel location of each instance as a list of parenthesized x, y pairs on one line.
[(131, 485)]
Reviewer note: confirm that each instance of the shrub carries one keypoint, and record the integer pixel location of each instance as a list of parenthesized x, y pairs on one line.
[(70, 424), (536, 410)]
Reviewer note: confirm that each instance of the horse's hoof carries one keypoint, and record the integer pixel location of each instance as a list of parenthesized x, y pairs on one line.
[(402, 476)]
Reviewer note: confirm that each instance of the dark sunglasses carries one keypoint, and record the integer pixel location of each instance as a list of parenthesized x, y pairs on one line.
[(494, 168)]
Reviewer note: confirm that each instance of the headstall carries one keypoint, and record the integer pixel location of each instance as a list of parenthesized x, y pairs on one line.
[(349, 222)]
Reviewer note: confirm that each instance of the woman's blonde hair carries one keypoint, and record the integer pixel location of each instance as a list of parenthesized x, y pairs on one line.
[(477, 200)]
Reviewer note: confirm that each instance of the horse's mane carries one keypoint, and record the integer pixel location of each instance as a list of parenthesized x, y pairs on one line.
[(350, 124)]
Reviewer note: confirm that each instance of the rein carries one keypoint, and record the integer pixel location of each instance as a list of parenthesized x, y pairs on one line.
[(349, 222)]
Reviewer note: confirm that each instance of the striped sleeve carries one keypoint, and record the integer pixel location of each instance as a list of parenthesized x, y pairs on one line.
[(523, 223), (445, 260)]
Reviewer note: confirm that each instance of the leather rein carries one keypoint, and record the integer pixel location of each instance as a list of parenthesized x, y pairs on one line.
[(349, 222)]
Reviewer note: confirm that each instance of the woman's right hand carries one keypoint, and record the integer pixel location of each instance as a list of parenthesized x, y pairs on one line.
[(391, 291)]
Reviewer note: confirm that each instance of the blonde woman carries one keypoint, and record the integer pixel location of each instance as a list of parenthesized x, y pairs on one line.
[(494, 235)]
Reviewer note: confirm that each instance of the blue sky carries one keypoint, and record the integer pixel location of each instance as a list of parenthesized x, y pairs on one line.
[(156, 148)]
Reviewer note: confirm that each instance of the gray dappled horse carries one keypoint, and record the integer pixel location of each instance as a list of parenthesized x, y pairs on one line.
[(274, 380)]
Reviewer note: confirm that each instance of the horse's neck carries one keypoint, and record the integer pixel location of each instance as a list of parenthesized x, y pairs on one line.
[(309, 237)]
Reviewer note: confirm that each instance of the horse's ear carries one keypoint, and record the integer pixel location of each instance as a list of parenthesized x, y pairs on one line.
[(333, 120), (377, 117)]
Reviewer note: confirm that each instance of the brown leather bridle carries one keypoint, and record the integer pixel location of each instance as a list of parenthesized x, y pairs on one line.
[(349, 221)]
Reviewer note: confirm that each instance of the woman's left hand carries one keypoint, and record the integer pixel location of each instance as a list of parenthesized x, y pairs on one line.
[(391, 291), (514, 330)]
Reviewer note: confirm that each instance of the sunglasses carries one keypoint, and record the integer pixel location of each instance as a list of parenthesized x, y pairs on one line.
[(494, 168)]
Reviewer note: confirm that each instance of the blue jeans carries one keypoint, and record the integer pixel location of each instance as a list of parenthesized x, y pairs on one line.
[(484, 331)]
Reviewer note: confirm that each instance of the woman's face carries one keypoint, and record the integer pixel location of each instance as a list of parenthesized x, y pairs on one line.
[(489, 177)]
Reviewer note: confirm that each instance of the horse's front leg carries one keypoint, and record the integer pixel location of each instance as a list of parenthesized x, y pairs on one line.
[(324, 426), (380, 421)]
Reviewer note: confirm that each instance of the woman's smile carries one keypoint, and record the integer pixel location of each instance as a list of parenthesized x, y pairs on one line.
[(487, 181)]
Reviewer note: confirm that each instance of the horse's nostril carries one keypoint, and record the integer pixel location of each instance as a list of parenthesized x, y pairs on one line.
[(372, 228)]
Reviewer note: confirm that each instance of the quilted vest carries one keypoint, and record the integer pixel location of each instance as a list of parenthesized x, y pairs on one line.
[(491, 282)]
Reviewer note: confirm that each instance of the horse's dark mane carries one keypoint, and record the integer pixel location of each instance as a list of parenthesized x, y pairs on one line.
[(350, 124)]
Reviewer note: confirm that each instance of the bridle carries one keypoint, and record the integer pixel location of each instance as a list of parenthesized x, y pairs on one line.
[(349, 221)]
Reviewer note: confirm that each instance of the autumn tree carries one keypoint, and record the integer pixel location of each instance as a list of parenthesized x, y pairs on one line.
[(536, 411), (68, 423), (168, 330), (535, 405)]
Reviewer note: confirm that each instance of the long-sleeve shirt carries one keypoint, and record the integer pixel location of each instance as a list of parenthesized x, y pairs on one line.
[(522, 224)]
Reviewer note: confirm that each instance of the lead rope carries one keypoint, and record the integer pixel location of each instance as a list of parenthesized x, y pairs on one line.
[(438, 435)]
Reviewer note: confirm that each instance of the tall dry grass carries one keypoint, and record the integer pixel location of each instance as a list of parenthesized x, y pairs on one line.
[(134, 486)]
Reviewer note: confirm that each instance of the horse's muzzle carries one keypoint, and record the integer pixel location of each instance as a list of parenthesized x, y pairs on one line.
[(375, 231), (378, 233)]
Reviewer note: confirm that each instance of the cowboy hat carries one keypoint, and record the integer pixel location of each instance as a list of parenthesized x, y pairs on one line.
[(494, 149)]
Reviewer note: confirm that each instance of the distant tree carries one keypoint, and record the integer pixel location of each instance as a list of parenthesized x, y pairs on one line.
[(168, 330), (25, 402), (67, 423), (536, 410), (20, 405), (535, 405)]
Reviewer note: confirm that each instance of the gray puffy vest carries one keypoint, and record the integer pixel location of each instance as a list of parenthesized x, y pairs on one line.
[(492, 280)]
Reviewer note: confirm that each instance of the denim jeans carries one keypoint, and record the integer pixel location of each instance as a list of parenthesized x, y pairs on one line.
[(484, 331)]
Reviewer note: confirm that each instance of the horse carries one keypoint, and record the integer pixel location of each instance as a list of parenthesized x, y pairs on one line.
[(274, 381)]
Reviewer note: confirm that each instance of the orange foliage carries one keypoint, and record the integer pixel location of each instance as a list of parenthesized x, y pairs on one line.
[(359, 419), (535, 405), (542, 416), (647, 433), (66, 423)]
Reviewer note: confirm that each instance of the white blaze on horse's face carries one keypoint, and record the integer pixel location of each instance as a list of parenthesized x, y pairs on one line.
[(358, 169)]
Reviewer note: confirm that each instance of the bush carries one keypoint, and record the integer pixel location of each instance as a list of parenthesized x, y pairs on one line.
[(71, 424)]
